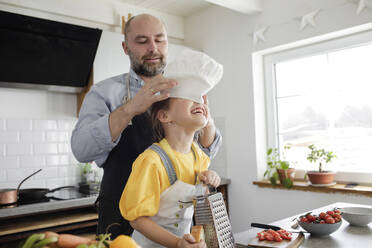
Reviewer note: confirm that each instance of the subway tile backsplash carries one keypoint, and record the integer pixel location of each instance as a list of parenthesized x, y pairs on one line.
[(27, 145)]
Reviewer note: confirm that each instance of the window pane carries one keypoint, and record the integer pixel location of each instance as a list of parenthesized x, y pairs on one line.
[(326, 100)]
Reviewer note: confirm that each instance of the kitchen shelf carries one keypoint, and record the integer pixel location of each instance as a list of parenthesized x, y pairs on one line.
[(30, 223), (363, 190)]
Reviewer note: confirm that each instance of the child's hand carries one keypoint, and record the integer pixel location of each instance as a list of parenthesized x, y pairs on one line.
[(188, 241), (210, 177)]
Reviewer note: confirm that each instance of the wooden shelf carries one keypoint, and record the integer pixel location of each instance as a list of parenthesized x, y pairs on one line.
[(363, 190), (31, 223)]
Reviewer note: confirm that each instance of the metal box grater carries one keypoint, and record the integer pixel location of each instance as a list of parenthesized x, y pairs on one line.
[(210, 211)]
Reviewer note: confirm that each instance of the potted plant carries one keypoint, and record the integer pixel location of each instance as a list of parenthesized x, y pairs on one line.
[(278, 169), (320, 156), (87, 173)]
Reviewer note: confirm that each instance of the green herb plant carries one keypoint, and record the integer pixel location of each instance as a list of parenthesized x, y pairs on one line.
[(274, 163), (319, 155)]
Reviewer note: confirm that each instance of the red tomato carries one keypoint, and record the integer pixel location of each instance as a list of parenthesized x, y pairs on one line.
[(322, 215), (331, 213), (337, 211), (277, 238), (269, 237), (322, 222), (337, 219), (330, 220), (304, 219), (337, 216)]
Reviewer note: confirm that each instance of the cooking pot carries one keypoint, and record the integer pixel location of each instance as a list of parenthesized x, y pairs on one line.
[(9, 197), (37, 193)]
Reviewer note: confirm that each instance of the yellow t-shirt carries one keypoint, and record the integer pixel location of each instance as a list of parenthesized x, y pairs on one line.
[(149, 178)]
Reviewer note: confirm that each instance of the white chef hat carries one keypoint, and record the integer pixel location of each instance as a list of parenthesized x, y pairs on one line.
[(196, 74)]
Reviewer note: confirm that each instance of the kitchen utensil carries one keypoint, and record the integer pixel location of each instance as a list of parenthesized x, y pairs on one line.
[(9, 197), (357, 216), (275, 228), (210, 211), (320, 229), (38, 193), (297, 239)]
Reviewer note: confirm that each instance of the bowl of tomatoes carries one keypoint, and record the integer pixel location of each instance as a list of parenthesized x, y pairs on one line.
[(323, 224)]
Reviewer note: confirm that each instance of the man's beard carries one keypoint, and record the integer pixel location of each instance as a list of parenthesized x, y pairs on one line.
[(147, 69)]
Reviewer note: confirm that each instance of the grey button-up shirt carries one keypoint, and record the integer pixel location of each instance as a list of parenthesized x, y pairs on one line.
[(91, 138)]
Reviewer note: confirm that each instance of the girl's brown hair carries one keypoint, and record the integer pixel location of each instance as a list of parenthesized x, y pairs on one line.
[(156, 124)]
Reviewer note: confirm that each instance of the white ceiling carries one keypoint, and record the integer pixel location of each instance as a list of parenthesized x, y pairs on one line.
[(188, 7), (174, 7)]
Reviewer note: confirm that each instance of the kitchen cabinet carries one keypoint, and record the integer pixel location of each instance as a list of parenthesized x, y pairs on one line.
[(77, 216)]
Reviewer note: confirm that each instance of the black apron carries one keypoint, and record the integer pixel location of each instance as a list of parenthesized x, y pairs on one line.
[(134, 140)]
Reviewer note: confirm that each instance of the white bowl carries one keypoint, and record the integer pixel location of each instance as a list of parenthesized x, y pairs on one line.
[(320, 229), (357, 216)]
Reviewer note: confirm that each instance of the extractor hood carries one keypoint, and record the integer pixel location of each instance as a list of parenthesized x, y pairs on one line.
[(42, 54)]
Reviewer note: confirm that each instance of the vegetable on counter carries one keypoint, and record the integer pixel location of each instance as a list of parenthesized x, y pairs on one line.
[(55, 240)]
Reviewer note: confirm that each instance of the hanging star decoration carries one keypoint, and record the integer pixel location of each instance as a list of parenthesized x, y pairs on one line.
[(362, 4), (308, 19), (258, 35)]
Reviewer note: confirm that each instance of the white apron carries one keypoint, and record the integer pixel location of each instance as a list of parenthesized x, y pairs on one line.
[(176, 208)]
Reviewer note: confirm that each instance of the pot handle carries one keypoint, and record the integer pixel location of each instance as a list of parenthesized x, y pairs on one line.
[(63, 187), (19, 185)]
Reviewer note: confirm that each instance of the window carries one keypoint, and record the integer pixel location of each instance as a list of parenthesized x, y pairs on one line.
[(321, 94)]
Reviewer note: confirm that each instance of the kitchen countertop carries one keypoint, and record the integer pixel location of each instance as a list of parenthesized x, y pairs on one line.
[(58, 205), (345, 237), (47, 206)]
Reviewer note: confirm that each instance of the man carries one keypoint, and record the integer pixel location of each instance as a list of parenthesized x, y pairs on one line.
[(114, 126)]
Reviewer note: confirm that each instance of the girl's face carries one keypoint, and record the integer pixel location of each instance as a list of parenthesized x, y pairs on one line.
[(186, 113)]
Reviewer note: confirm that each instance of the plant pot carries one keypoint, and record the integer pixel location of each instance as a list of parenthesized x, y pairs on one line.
[(288, 173), (325, 177)]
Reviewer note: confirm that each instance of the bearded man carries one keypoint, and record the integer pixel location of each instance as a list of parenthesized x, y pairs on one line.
[(114, 125)]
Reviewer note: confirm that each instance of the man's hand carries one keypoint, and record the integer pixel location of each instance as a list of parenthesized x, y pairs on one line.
[(148, 94), (188, 241), (210, 177), (209, 131)]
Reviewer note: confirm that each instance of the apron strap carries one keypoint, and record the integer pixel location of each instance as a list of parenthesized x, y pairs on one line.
[(166, 162)]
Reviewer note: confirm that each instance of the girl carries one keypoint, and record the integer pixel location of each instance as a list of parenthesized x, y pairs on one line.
[(157, 199)]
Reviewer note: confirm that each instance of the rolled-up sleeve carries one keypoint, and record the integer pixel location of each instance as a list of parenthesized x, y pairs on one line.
[(91, 138), (212, 150)]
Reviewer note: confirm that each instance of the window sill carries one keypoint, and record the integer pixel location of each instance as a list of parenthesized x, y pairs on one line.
[(362, 190)]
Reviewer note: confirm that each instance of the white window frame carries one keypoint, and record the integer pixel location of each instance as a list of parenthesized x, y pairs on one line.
[(264, 88)]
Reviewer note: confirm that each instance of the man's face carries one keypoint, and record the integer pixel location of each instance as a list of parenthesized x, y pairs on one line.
[(147, 46)]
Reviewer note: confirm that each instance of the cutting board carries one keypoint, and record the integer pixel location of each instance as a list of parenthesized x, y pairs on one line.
[(297, 239)]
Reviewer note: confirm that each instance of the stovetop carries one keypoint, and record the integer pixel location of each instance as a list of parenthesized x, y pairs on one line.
[(58, 200)]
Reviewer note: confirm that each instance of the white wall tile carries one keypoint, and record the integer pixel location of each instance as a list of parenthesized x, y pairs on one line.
[(52, 160), (45, 125), (33, 184), (18, 125), (64, 148), (68, 171), (73, 180), (32, 161), (45, 148), (9, 162), (9, 137), (32, 137), (2, 125), (57, 137), (66, 124), (8, 185), (56, 182), (73, 159), (19, 174), (17, 149), (3, 176), (2, 150), (48, 172)]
